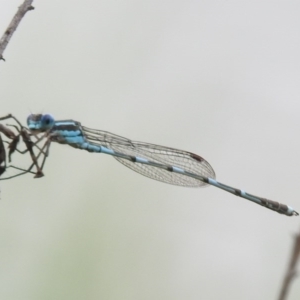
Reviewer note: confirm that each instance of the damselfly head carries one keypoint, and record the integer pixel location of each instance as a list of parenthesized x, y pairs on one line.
[(40, 123)]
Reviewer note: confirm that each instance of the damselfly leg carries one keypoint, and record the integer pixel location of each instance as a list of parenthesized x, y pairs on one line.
[(22, 132)]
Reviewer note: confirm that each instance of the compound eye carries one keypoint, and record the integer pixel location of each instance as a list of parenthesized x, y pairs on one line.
[(47, 120)]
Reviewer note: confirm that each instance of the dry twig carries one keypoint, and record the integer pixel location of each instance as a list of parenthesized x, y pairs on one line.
[(291, 271), (23, 9)]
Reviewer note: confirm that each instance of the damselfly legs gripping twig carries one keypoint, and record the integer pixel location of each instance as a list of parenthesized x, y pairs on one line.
[(22, 132)]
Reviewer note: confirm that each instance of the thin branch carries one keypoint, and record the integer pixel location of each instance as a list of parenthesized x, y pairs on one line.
[(291, 271), (22, 10)]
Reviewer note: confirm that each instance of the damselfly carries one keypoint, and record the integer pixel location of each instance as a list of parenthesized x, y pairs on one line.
[(161, 163)]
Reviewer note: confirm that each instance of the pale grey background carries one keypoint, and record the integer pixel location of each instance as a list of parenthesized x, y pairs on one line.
[(218, 78)]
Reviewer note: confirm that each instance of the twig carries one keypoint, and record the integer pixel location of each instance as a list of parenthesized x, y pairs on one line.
[(23, 9), (291, 271)]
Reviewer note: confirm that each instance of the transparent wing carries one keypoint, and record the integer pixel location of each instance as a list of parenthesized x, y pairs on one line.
[(164, 155)]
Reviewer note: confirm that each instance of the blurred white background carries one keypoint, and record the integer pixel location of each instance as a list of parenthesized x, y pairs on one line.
[(217, 78)]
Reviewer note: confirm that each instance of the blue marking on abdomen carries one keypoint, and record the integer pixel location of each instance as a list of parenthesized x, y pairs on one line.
[(178, 170), (141, 160)]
